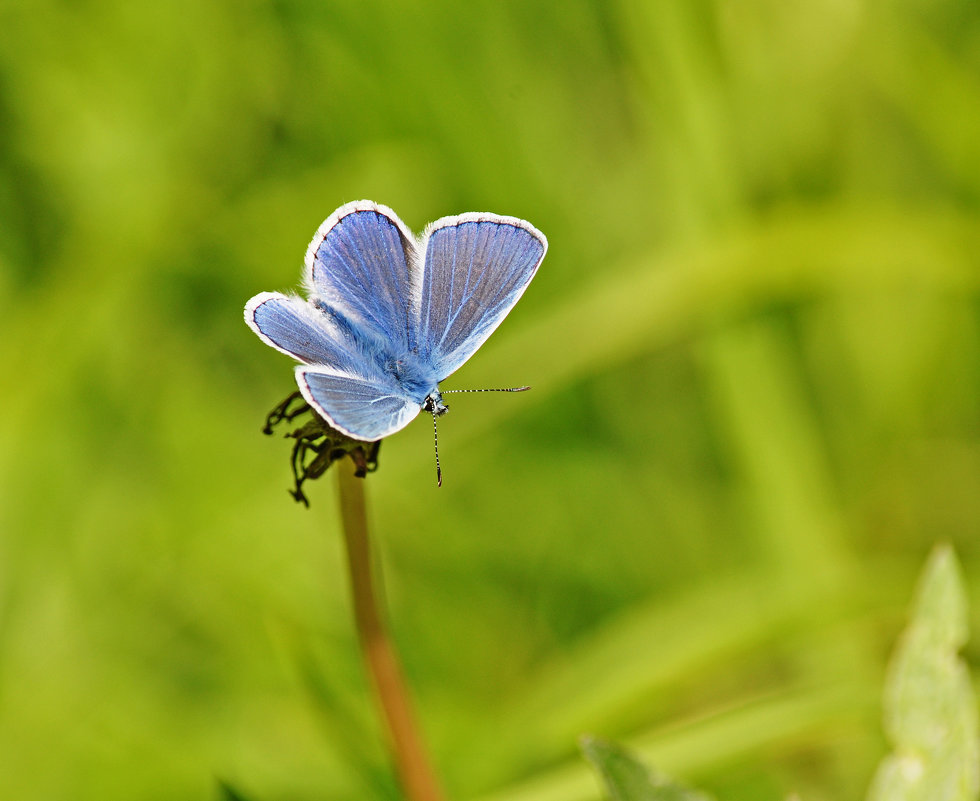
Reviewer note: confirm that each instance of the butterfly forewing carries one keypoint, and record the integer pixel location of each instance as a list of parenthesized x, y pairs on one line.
[(362, 409), (360, 264), (476, 267)]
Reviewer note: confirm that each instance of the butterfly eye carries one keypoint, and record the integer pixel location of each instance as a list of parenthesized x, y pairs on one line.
[(433, 403)]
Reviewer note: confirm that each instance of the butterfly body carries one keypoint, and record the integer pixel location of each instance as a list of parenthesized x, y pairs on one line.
[(389, 315)]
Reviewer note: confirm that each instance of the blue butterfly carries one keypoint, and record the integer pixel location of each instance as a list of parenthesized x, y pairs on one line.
[(391, 315)]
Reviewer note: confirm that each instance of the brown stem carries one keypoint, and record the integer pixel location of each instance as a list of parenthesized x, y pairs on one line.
[(411, 761)]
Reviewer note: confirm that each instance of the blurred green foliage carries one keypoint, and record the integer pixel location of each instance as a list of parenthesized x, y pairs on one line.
[(930, 712), (625, 778), (754, 347)]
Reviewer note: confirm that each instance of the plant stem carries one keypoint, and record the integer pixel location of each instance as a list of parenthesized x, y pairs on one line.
[(411, 760)]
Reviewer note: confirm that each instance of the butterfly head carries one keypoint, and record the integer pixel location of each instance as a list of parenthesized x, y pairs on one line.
[(433, 403)]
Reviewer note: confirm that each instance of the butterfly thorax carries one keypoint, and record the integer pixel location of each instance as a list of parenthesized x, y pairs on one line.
[(416, 379)]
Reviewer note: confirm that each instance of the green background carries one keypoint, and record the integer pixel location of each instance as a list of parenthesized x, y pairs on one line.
[(754, 347)]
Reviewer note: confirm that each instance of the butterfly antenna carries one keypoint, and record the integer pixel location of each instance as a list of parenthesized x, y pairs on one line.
[(435, 429), (509, 389), (435, 439)]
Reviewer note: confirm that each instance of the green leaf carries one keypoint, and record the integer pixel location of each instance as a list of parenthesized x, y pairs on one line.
[(930, 708), (626, 779)]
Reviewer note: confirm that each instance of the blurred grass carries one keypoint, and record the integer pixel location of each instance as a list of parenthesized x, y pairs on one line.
[(754, 348)]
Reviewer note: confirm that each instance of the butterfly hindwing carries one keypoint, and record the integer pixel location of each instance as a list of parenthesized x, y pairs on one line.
[(297, 328), (476, 267), (361, 408)]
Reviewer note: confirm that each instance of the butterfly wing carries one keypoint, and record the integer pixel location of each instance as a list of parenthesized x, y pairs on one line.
[(297, 328), (475, 268), (361, 408), (360, 264), (372, 295)]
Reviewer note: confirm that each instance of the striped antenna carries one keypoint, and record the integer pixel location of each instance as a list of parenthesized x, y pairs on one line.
[(435, 438), (435, 428), (509, 389)]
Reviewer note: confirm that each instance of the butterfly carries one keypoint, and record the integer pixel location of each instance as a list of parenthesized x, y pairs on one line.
[(390, 315)]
